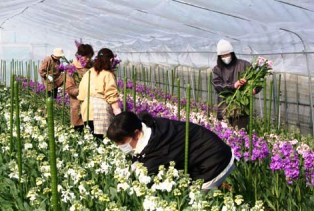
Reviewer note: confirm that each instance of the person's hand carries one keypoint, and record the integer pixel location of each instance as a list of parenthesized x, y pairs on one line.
[(254, 91), (239, 83), (50, 78), (116, 111)]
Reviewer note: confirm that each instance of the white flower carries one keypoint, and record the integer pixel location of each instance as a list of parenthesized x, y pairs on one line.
[(106, 141), (82, 189), (149, 203), (28, 146), (303, 148), (223, 124), (67, 195), (104, 168), (39, 181), (45, 170), (238, 199), (225, 208), (26, 118), (123, 186), (61, 138), (43, 145), (144, 179), (5, 149), (32, 195)]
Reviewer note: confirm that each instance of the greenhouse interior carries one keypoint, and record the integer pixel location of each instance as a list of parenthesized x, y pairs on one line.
[(220, 94)]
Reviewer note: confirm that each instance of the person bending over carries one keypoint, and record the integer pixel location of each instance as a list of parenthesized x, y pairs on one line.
[(157, 141)]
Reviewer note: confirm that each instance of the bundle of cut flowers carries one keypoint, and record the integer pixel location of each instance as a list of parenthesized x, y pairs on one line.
[(237, 102)]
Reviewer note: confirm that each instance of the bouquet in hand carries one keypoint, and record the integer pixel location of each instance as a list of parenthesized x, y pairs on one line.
[(237, 102)]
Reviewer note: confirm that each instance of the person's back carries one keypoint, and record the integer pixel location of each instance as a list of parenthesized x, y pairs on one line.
[(208, 154), (158, 141)]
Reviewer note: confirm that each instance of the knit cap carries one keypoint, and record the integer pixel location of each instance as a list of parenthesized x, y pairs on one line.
[(224, 47)]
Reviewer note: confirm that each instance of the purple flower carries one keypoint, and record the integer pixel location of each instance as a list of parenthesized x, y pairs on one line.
[(83, 61), (285, 158), (115, 62)]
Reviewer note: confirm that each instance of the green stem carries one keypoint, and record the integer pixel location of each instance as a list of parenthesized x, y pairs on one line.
[(11, 111), (209, 93), (88, 98), (187, 127), (251, 121), (265, 103), (63, 94), (17, 126), (269, 106), (134, 89), (179, 99), (124, 92), (52, 155), (278, 104)]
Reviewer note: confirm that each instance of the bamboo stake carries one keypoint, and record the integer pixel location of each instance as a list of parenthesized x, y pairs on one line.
[(269, 106), (187, 128), (11, 111), (134, 89), (179, 99), (52, 155), (251, 122), (18, 132), (88, 98), (63, 97), (278, 104), (172, 81), (5, 72), (124, 92), (209, 93)]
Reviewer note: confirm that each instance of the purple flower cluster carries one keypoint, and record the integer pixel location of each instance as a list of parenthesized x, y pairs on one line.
[(285, 157), (33, 86), (69, 68), (83, 61), (240, 143), (39, 88), (115, 62), (309, 167)]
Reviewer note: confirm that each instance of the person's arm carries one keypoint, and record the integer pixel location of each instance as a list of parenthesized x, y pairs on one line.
[(111, 93), (83, 86), (71, 87), (116, 108), (43, 69)]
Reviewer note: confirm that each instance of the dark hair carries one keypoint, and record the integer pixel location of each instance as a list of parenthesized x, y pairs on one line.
[(85, 50), (124, 125), (221, 64), (102, 61)]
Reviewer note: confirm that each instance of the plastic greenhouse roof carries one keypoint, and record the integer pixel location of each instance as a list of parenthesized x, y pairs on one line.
[(163, 31)]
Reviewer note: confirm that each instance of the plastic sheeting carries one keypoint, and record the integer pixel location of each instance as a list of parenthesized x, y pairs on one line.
[(163, 31)]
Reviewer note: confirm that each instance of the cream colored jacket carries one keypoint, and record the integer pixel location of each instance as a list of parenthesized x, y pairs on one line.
[(102, 85)]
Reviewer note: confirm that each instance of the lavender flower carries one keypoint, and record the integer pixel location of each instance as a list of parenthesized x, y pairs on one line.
[(309, 167), (285, 158), (115, 62), (83, 61)]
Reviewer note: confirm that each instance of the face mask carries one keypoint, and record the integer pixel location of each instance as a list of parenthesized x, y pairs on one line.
[(226, 60), (126, 148)]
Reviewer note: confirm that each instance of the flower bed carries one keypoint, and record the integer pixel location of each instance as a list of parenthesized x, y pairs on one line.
[(100, 177)]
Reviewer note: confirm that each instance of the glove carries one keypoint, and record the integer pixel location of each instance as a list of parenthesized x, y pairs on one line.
[(50, 78)]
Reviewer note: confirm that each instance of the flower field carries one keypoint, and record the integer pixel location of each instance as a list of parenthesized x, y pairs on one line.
[(278, 175)]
